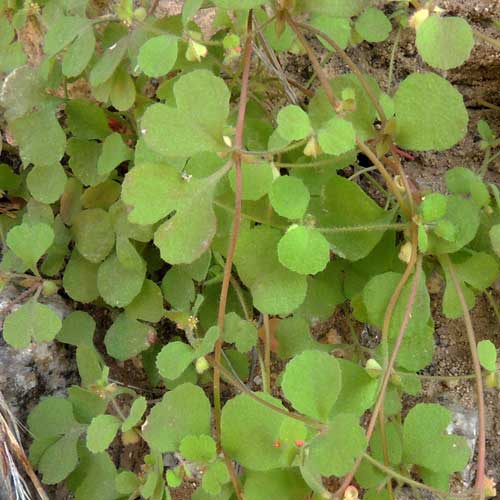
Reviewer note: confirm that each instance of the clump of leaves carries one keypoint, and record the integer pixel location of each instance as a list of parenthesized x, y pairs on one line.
[(173, 188)]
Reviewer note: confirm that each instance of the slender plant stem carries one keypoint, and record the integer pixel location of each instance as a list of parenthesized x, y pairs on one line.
[(486, 38), (391, 62), (22, 296), (335, 103), (267, 354), (388, 370), (493, 304), (442, 378), (247, 57), (385, 174), (404, 479), (310, 422), (369, 227), (481, 455), (362, 172), (311, 164), (318, 70), (352, 66)]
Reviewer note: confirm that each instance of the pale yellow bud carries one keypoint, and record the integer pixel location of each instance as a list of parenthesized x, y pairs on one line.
[(418, 18), (195, 51)]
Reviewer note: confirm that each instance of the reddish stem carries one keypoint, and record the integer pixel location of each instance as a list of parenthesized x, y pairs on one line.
[(247, 56), (388, 371), (481, 454)]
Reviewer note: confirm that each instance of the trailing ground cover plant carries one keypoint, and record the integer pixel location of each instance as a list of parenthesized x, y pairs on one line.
[(172, 189)]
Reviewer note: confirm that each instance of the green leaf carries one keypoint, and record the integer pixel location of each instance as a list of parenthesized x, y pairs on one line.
[(80, 279), (83, 161), (240, 332), (294, 337), (156, 190), (77, 328), (461, 180), (52, 417), (173, 359), (337, 137), (444, 42), (60, 459), (89, 364), (293, 123), (114, 152), (337, 28), (127, 338), (122, 91), (495, 238), (426, 443), (148, 305), (373, 25), (137, 410), (108, 63), (198, 269), (102, 430), (487, 353), (102, 195), (333, 453), (86, 404), (118, 285), (196, 124), (274, 288), (63, 32), (79, 54), (311, 382), (186, 236), (86, 120), (457, 228), (289, 197), (46, 182), (30, 241), (40, 138), (249, 430), (152, 190), (286, 483), (325, 292), (433, 207), (238, 4), (418, 344), (31, 320), (362, 117), (95, 477), (345, 204), (178, 289), (335, 8), (430, 113), (182, 412), (358, 391), (93, 234), (198, 448), (479, 270), (256, 180), (127, 482), (304, 250), (215, 476), (158, 55)]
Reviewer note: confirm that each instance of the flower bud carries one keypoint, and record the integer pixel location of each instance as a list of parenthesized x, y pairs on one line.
[(312, 148), (49, 288), (195, 51), (373, 368), (201, 365), (418, 18)]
